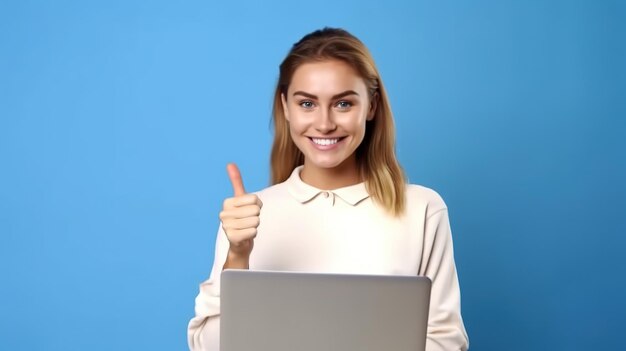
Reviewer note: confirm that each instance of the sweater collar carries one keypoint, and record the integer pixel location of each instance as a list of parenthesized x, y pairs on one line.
[(304, 192)]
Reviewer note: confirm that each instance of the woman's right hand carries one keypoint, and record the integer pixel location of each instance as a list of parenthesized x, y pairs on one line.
[(240, 220)]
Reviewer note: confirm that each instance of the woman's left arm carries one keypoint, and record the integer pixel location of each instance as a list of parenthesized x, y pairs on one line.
[(445, 325)]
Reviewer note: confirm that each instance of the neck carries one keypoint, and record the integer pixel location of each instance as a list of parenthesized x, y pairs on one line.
[(341, 176)]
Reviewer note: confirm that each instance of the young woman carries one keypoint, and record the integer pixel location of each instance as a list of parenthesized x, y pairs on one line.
[(340, 202)]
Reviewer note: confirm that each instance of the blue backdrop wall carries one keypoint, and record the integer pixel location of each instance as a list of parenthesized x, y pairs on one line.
[(117, 119)]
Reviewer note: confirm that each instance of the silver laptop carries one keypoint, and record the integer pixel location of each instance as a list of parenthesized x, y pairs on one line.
[(280, 311)]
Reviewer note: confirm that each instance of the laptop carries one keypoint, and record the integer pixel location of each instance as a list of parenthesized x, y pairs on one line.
[(289, 311)]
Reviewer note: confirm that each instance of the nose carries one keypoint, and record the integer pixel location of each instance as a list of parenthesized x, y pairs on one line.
[(324, 122)]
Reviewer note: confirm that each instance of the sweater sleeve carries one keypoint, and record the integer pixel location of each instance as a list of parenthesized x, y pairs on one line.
[(203, 330), (446, 331)]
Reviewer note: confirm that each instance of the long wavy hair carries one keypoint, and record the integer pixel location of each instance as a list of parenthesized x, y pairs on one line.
[(376, 158)]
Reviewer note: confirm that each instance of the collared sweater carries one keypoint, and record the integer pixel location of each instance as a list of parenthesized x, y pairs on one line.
[(305, 229)]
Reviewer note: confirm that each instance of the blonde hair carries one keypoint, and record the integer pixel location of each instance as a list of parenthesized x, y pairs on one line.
[(384, 179)]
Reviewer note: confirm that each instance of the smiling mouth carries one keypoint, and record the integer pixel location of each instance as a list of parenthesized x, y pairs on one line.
[(326, 141)]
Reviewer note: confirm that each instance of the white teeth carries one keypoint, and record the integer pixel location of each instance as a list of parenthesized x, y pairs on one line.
[(325, 142)]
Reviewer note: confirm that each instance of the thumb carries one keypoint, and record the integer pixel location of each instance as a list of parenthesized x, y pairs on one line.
[(235, 179)]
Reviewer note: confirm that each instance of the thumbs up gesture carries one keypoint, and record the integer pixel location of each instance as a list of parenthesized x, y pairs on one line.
[(240, 220)]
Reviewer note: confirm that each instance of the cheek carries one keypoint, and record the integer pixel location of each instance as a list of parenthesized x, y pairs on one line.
[(354, 123), (296, 131), (293, 131), (297, 123)]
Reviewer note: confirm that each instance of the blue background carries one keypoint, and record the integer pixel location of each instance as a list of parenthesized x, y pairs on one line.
[(118, 117)]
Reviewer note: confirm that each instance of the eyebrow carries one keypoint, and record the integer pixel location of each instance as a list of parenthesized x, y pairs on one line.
[(338, 96)]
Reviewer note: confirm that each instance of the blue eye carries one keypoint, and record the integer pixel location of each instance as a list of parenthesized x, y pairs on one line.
[(307, 104), (344, 105)]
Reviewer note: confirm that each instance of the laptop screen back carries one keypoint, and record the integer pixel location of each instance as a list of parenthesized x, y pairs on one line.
[(282, 311)]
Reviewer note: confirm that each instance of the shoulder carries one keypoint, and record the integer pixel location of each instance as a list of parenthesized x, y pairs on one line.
[(273, 192), (421, 196)]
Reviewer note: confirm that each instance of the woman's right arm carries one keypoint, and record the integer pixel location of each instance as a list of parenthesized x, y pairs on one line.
[(240, 220), (235, 240), (203, 329)]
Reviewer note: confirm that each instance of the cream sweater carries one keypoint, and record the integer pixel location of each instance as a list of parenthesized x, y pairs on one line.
[(343, 231)]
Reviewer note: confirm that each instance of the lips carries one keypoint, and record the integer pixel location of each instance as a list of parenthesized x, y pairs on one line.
[(325, 141)]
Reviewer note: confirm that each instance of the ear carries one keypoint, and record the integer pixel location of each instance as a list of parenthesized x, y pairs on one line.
[(283, 100), (373, 105)]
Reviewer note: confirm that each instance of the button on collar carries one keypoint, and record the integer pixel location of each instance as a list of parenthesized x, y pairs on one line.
[(304, 193)]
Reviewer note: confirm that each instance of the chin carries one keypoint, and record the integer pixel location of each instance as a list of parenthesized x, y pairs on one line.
[(326, 164)]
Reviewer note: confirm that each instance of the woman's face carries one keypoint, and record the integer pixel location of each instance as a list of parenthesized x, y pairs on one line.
[(327, 106)]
